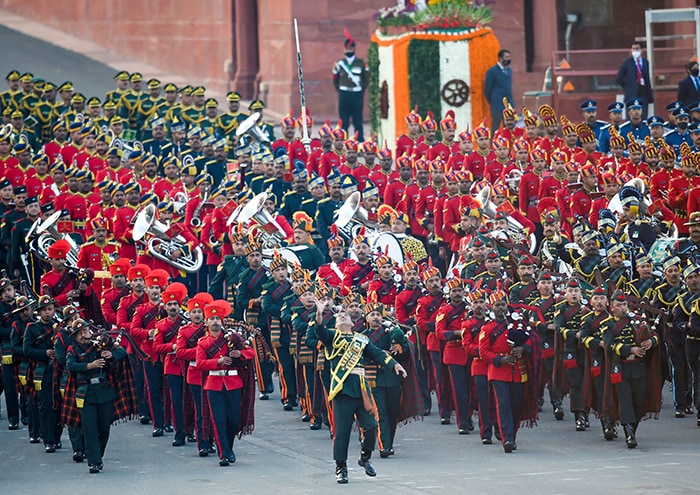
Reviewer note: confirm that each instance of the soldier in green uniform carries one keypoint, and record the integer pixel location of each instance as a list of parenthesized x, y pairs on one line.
[(328, 207), (350, 79), (174, 114), (210, 120), (122, 81), (147, 107), (349, 390), (310, 256), (30, 100), (11, 97), (266, 128), (128, 105), (194, 114), (230, 269), (43, 112), (228, 122), (65, 92)]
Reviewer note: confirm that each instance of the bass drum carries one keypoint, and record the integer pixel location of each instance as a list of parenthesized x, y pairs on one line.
[(285, 252), (388, 243)]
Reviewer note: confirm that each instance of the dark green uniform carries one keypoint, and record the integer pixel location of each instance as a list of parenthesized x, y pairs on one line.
[(274, 296), (591, 338), (227, 123), (128, 107)]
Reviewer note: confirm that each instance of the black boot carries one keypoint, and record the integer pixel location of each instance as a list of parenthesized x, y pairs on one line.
[(629, 436), (580, 421), (364, 462), (341, 472), (607, 430), (558, 410)]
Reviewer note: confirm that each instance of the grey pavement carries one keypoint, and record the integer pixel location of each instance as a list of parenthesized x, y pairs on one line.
[(284, 455)]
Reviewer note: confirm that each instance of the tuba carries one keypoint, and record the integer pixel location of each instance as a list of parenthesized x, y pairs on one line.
[(42, 234), (352, 211), (161, 244), (515, 228), (249, 128), (271, 233)]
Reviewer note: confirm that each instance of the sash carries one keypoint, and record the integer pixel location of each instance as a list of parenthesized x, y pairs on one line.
[(498, 331), (454, 313), (47, 334), (131, 309), (570, 311), (526, 291), (351, 357), (194, 338), (361, 273), (215, 346), (280, 291), (255, 279), (377, 334), (151, 315), (410, 305), (434, 304), (115, 302), (171, 331), (386, 287), (61, 284)]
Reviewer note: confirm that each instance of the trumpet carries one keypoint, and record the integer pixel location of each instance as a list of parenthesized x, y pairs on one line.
[(196, 221)]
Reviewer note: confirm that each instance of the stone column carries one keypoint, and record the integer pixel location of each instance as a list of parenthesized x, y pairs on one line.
[(245, 47)]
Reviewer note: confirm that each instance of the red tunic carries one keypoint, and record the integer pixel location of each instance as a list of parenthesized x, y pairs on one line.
[(111, 298), (581, 204), (171, 365), (205, 364), (456, 162), (529, 195), (443, 150), (406, 144), (471, 330), (492, 348), (329, 161), (381, 179), (384, 290), (426, 313), (450, 333), (123, 232), (476, 163), (410, 207), (352, 279), (90, 256), (50, 279), (140, 330), (188, 355), (394, 193), (659, 182), (333, 276)]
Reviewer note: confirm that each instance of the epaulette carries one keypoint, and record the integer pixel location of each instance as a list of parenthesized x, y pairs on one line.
[(306, 201), (590, 313), (324, 200), (606, 320)]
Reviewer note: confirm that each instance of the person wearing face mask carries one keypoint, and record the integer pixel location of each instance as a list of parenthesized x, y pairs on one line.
[(680, 134), (689, 87), (635, 79), (350, 79), (498, 86)]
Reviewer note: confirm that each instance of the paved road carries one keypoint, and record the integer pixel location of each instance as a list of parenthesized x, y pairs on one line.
[(283, 454), (54, 64)]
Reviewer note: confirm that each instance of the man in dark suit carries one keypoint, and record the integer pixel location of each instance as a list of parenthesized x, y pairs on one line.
[(634, 78), (689, 87), (497, 86)]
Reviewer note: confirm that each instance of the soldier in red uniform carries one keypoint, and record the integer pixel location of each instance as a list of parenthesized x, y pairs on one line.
[(186, 353), (556, 180), (325, 141), (429, 127), (94, 254), (358, 274), (530, 189), (332, 272), (59, 283), (123, 228), (143, 329), (680, 187), (406, 143), (551, 141), (410, 198), (494, 168), (508, 129), (587, 152), (394, 192), (288, 127), (448, 328), (382, 289), (385, 174), (611, 186), (568, 130), (465, 147), (582, 200), (428, 344), (477, 159), (510, 371), (335, 157), (661, 179), (112, 296), (164, 345), (171, 184), (425, 203), (448, 146)]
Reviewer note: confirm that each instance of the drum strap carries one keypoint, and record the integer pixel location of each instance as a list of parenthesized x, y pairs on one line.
[(334, 267)]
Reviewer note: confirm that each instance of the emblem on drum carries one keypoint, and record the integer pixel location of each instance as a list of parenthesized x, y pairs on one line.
[(455, 92)]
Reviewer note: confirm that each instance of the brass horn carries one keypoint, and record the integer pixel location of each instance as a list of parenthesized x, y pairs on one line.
[(352, 211), (249, 127), (42, 235), (254, 211), (161, 244)]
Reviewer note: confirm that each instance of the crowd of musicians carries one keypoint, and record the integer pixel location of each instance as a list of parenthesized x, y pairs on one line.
[(550, 256)]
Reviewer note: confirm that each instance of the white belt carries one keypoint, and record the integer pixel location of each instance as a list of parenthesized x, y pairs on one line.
[(193, 363), (358, 371), (348, 88), (223, 373)]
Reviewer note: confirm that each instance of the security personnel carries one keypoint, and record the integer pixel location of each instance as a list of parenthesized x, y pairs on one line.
[(567, 322), (589, 108), (38, 348), (95, 368), (635, 125), (680, 134), (349, 390), (350, 79), (226, 361), (634, 370)]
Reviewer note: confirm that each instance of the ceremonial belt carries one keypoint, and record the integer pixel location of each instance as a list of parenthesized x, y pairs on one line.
[(350, 358), (255, 279), (215, 346), (361, 273), (385, 288), (454, 313), (171, 331), (533, 202), (377, 334), (193, 363), (279, 292), (499, 331), (348, 88), (61, 284), (131, 309), (194, 338), (410, 305), (223, 373), (115, 302), (151, 315)]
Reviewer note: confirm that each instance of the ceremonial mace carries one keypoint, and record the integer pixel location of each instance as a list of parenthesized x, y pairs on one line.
[(305, 139)]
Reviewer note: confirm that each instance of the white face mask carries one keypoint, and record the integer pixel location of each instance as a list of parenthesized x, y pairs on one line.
[(636, 54)]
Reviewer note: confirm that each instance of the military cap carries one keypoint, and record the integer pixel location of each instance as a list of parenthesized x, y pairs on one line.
[(673, 105), (211, 103), (199, 301), (589, 106), (634, 103), (136, 77), (680, 112), (120, 267), (93, 102), (186, 90), (619, 296), (616, 107), (278, 261), (374, 306), (157, 277), (256, 105), (122, 75), (43, 302), (78, 98), (26, 77), (170, 88), (498, 295), (49, 86), (655, 120), (66, 86), (690, 269), (670, 262), (198, 91), (109, 105), (233, 96), (13, 75), (153, 84)]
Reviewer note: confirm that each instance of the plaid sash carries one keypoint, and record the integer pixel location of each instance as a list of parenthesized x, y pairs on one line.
[(384, 290), (498, 330), (304, 353), (454, 313), (361, 273), (255, 279), (412, 302)]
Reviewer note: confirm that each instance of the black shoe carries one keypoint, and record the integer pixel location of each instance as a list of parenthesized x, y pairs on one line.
[(509, 447), (426, 412), (680, 412), (497, 433), (364, 462), (288, 406), (270, 389), (158, 432), (608, 432), (486, 441), (94, 469), (384, 453), (586, 423), (49, 448), (264, 396), (341, 473), (232, 458), (470, 426), (463, 431), (14, 425), (191, 438), (144, 420), (444, 421), (630, 439), (306, 418), (224, 462), (25, 420), (315, 425), (78, 456), (211, 449), (203, 453), (178, 443), (580, 422), (689, 409), (295, 403), (100, 466), (168, 428), (34, 440), (558, 413)]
